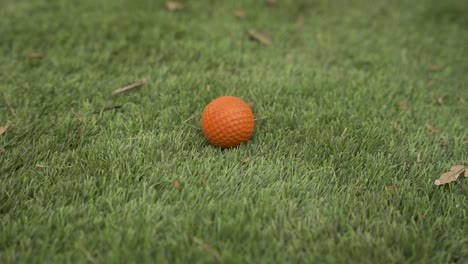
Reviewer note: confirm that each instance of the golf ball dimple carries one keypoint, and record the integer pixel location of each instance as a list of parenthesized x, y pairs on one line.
[(227, 121)]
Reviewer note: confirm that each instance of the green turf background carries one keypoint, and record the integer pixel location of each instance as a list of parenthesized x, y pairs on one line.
[(323, 154)]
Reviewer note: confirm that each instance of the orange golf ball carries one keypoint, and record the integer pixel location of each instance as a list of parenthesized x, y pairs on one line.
[(227, 121)]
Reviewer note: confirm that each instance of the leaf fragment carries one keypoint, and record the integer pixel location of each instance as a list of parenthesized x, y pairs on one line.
[(250, 103), (178, 185), (441, 99), (4, 128), (452, 175), (418, 158), (392, 188), (240, 14), (271, 2), (431, 128), (203, 180), (435, 67), (260, 37), (35, 56), (79, 116), (403, 106), (395, 125), (357, 188), (174, 6), (249, 157)]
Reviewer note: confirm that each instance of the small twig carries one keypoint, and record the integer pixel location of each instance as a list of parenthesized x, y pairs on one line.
[(129, 87), (7, 102), (88, 254), (207, 247)]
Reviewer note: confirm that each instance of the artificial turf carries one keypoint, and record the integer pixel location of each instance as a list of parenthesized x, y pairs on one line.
[(341, 164)]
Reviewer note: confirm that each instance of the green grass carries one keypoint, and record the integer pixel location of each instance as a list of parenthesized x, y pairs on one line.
[(323, 152)]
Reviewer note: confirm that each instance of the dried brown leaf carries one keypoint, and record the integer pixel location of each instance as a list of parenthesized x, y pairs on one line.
[(35, 56), (80, 117), (174, 6), (289, 58), (431, 128), (444, 143), (246, 159), (240, 14), (441, 99), (250, 103), (271, 2), (465, 142), (4, 128), (129, 87), (392, 188), (203, 180), (403, 106), (178, 185), (452, 175), (78, 130), (261, 37), (435, 67), (357, 188)]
